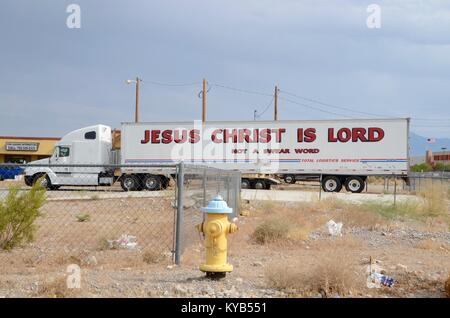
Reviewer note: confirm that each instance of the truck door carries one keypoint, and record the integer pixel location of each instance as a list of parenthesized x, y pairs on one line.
[(61, 156)]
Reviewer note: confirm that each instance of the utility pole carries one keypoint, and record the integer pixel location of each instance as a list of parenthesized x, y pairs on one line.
[(136, 115), (275, 115), (204, 102), (137, 81)]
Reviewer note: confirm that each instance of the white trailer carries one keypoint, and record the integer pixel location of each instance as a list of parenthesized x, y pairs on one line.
[(340, 152)]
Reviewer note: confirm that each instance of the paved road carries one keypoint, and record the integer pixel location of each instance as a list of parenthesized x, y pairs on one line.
[(247, 194), (308, 196)]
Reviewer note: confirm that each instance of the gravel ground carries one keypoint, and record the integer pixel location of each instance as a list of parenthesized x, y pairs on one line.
[(415, 256)]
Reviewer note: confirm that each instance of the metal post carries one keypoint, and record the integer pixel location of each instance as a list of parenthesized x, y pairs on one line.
[(204, 102), (395, 191), (204, 194), (228, 188), (275, 113), (136, 114), (320, 188), (180, 187), (204, 187)]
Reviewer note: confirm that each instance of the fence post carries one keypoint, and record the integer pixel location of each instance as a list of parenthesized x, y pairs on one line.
[(180, 186), (204, 187), (320, 187), (395, 191)]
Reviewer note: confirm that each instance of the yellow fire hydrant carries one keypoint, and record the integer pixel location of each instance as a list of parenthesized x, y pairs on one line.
[(216, 227)]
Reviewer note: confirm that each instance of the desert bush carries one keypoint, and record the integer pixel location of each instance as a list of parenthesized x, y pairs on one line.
[(18, 212), (332, 274), (56, 288), (152, 257), (271, 231), (83, 217)]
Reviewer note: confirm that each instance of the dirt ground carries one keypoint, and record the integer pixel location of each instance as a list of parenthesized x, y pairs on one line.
[(305, 261)]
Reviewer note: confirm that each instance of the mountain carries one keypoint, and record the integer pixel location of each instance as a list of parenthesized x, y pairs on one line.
[(419, 144)]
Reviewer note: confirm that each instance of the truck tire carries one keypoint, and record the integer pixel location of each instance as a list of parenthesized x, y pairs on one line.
[(331, 184), (129, 182), (289, 178), (259, 185), (152, 182), (245, 184), (354, 184)]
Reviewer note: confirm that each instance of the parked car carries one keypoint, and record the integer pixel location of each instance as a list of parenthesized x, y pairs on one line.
[(10, 172)]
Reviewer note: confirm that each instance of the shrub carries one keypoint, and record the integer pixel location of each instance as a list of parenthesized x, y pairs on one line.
[(423, 167), (83, 217), (17, 215), (270, 231), (331, 274), (152, 257)]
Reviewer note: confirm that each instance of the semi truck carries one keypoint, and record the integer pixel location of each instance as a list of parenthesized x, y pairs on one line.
[(339, 153)]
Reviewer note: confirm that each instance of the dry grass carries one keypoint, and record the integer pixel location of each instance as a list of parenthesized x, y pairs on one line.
[(286, 223), (434, 199), (152, 257), (331, 274), (430, 244), (56, 288), (271, 231)]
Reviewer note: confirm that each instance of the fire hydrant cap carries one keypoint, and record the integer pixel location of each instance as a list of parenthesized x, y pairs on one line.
[(217, 205)]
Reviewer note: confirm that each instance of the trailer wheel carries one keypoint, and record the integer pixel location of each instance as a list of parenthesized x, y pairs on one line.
[(331, 184), (259, 184), (129, 183), (289, 178), (152, 182), (245, 184), (354, 184)]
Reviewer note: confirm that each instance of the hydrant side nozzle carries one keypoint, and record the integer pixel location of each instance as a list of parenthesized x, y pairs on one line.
[(233, 228), (200, 227)]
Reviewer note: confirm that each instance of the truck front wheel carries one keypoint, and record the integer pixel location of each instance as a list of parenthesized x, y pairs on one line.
[(331, 184), (354, 184), (129, 183)]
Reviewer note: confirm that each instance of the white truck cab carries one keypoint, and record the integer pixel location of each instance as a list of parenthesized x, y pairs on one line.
[(90, 145)]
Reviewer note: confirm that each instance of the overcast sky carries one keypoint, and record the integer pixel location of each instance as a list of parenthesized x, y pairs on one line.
[(54, 79)]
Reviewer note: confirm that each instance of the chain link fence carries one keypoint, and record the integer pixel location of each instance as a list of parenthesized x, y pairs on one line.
[(110, 212), (200, 186)]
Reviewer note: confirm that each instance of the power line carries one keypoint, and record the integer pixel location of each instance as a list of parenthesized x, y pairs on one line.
[(330, 105), (241, 90), (315, 108), (357, 111), (171, 84), (267, 107)]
